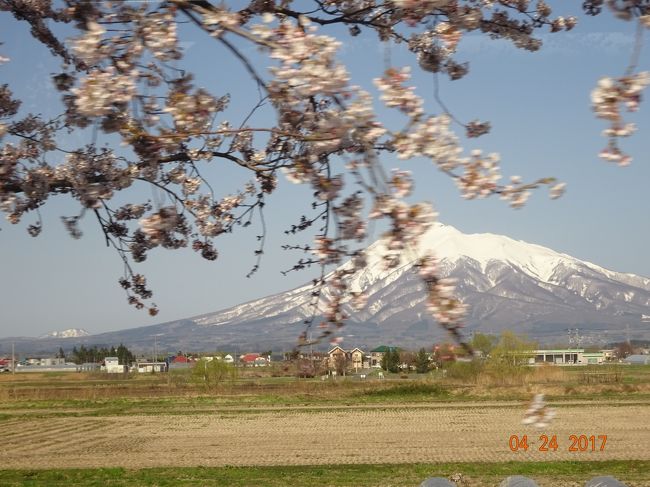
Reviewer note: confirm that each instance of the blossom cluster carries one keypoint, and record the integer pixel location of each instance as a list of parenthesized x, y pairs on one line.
[(396, 95), (441, 303), (629, 9), (307, 61), (90, 47), (401, 182), (193, 112), (607, 99), (434, 48), (480, 177), (159, 34), (351, 224), (408, 224), (159, 225), (103, 91), (476, 176), (432, 138), (476, 128), (332, 309)]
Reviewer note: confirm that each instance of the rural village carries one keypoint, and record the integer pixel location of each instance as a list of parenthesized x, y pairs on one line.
[(336, 361)]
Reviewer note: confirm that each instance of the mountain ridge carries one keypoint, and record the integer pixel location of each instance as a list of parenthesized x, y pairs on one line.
[(507, 283), (68, 333)]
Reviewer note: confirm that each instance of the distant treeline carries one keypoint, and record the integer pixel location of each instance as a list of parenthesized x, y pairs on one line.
[(97, 354)]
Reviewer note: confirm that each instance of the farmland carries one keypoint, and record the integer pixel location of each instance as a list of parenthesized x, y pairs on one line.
[(141, 430)]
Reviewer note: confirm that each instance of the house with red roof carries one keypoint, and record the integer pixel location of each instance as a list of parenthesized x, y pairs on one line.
[(253, 360), (5, 365), (180, 362)]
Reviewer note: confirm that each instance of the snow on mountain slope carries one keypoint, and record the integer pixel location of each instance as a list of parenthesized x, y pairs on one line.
[(448, 243), (69, 333), (507, 283)]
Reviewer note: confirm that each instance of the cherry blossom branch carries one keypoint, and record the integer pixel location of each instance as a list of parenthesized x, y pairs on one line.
[(129, 82)]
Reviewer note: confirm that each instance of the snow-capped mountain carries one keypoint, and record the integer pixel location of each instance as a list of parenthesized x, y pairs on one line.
[(69, 333), (507, 284)]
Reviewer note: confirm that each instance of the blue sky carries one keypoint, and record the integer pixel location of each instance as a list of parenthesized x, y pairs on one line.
[(539, 107)]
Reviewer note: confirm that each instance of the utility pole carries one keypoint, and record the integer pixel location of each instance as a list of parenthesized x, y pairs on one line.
[(13, 358)]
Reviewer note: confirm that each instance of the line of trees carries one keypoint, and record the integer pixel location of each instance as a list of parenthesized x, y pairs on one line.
[(508, 350), (96, 354)]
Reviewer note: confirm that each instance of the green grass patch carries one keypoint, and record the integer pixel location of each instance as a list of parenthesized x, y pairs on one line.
[(396, 475), (408, 391)]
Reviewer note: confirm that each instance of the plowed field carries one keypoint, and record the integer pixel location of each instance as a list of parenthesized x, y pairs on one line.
[(459, 432)]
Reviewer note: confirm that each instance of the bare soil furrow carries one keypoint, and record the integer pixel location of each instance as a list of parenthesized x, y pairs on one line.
[(297, 437)]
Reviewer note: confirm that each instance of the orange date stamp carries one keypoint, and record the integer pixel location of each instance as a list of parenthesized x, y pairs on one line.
[(575, 443)]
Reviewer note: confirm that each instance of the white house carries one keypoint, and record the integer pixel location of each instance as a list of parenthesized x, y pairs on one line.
[(49, 361), (568, 356), (144, 367), (112, 365)]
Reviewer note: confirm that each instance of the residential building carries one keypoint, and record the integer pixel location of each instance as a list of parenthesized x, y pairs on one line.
[(356, 358), (179, 362), (336, 353), (144, 367), (5, 365), (112, 365), (253, 360), (610, 354), (49, 361), (90, 367), (377, 354)]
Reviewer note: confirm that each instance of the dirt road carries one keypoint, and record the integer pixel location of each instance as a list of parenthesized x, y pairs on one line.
[(476, 432)]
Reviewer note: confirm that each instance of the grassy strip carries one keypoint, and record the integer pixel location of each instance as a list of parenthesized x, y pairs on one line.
[(399, 393), (322, 475), (401, 396), (409, 390)]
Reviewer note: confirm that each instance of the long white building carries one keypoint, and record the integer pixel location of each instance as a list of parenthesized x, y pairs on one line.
[(567, 356)]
